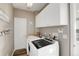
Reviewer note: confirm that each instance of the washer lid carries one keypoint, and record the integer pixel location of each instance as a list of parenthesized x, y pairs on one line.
[(41, 43)]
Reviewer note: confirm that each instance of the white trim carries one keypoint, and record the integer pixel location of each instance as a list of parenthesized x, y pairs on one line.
[(13, 52), (72, 28)]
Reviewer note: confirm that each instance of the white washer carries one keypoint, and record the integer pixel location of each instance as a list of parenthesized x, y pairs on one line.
[(29, 44), (48, 50)]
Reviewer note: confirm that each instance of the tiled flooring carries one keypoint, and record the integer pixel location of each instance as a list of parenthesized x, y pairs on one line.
[(20, 52)]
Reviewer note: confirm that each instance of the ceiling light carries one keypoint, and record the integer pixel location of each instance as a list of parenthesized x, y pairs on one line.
[(29, 5)]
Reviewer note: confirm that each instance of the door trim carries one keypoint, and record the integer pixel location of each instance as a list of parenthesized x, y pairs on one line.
[(72, 27)]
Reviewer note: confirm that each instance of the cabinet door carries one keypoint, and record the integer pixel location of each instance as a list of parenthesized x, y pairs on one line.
[(63, 14), (54, 14), (49, 16), (38, 20)]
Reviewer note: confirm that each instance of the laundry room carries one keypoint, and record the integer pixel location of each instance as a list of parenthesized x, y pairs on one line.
[(38, 29)]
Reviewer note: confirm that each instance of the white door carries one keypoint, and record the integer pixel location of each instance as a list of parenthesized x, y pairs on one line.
[(20, 32)]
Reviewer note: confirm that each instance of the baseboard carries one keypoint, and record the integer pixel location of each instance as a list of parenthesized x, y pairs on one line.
[(13, 52)]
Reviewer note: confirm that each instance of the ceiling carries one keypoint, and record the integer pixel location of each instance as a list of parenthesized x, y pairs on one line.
[(35, 6)]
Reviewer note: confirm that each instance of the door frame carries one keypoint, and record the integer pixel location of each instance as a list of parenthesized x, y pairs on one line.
[(72, 27)]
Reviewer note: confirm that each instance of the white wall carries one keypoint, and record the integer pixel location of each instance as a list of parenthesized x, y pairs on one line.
[(10, 42)]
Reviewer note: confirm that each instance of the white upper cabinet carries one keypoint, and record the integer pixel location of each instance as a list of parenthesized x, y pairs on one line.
[(54, 14)]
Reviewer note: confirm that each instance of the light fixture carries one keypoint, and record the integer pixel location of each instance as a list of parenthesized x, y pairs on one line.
[(29, 5)]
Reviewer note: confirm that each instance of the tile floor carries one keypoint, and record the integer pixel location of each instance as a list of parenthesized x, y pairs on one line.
[(20, 52)]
